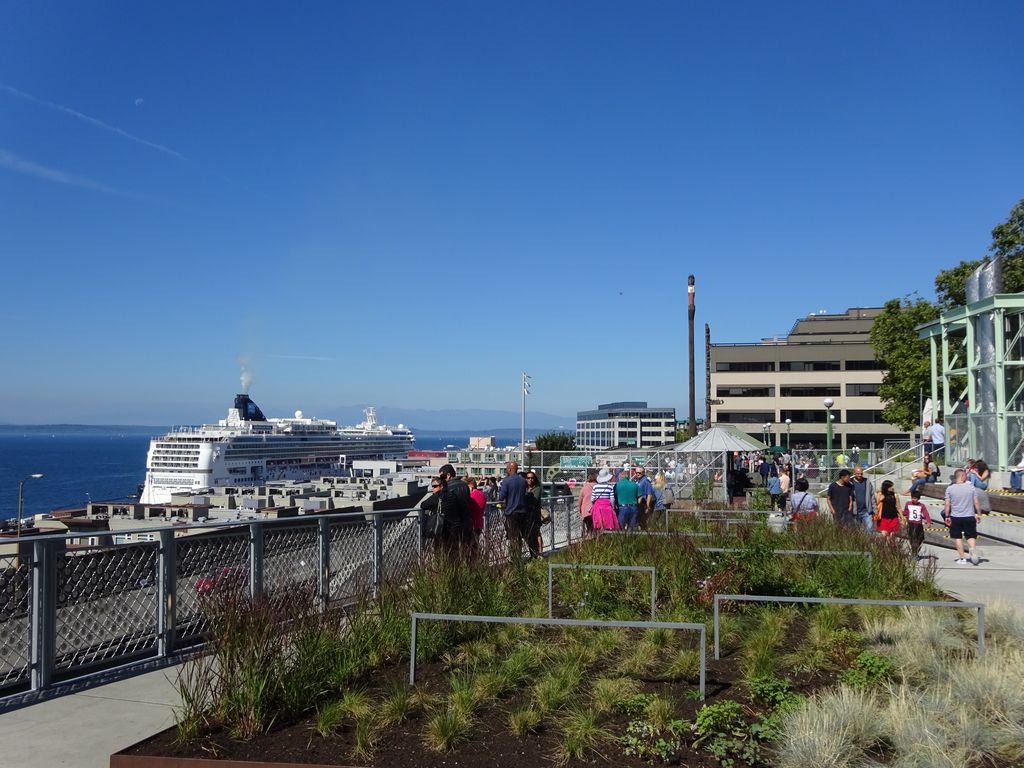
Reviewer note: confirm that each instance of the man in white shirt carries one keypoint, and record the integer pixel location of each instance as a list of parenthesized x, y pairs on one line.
[(926, 437), (938, 441)]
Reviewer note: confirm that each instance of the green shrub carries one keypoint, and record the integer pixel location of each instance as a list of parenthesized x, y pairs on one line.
[(719, 719), (869, 669), (636, 704), (722, 731), (647, 741), (770, 691)]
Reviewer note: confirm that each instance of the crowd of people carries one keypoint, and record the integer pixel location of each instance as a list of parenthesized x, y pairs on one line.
[(853, 500), (610, 499), (459, 504), (625, 498)]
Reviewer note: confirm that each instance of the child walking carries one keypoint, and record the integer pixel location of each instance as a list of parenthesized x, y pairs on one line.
[(887, 516), (916, 515)]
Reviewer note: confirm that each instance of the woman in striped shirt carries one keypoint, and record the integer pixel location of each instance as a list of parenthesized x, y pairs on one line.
[(602, 513)]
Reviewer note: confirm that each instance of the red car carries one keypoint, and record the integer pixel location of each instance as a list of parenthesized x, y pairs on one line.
[(220, 578)]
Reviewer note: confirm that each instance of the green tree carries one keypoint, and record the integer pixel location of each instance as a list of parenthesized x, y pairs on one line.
[(905, 357), (1007, 243), (555, 441)]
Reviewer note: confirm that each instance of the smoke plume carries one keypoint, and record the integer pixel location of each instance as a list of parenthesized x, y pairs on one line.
[(246, 376)]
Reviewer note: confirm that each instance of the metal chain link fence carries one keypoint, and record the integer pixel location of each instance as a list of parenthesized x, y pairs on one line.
[(68, 611)]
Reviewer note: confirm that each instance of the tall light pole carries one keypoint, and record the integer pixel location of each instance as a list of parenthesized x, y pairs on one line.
[(522, 426), (789, 423), (828, 402), (764, 433), (21, 497)]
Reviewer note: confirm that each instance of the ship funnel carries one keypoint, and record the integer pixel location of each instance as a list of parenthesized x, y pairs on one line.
[(247, 409)]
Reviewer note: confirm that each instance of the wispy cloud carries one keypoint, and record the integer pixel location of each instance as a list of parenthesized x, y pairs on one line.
[(93, 121), (13, 162), (302, 357)]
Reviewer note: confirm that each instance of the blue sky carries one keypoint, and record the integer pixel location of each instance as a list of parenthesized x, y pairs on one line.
[(409, 203)]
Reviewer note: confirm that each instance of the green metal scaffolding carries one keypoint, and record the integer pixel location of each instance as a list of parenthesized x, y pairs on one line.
[(993, 431)]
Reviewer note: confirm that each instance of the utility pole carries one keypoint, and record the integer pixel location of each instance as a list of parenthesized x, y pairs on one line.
[(690, 310)]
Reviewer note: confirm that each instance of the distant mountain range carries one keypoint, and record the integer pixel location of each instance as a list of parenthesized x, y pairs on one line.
[(480, 420), (445, 421)]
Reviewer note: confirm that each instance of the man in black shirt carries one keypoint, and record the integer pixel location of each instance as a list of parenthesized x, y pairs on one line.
[(456, 502), (841, 498), (512, 497)]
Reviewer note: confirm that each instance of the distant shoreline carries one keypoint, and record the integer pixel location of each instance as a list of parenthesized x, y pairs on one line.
[(139, 429)]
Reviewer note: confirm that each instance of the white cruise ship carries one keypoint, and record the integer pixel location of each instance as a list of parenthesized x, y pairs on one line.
[(246, 448)]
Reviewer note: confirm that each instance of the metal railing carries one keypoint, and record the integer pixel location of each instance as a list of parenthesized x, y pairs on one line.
[(71, 614)]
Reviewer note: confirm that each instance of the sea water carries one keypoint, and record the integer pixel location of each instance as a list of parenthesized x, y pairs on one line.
[(104, 463), (77, 462)]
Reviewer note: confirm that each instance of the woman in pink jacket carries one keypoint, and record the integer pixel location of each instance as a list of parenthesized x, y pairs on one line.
[(587, 500), (602, 512)]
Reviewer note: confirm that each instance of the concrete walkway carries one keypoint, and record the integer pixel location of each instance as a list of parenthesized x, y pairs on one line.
[(999, 574), (83, 729)]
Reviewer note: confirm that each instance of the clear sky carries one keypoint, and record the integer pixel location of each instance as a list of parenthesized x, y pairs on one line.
[(410, 203)]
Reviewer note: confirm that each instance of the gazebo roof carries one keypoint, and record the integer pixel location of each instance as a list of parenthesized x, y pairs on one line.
[(721, 438)]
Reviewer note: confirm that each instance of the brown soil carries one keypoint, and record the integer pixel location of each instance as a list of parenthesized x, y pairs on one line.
[(490, 743)]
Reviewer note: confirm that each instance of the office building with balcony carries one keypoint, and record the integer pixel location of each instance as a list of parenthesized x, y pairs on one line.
[(627, 424), (758, 386)]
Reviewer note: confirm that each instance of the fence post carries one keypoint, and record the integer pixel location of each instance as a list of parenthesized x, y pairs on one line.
[(412, 653), (550, 591), (378, 553), (981, 630), (167, 593), (323, 561), (703, 657), (716, 626), (419, 532), (44, 611), (551, 527), (568, 521), (255, 560)]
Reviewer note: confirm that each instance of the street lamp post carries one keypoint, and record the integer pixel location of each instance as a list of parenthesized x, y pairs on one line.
[(21, 497), (789, 423), (522, 433), (828, 402)]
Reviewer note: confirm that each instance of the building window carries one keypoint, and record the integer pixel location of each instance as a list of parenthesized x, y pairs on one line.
[(745, 366), (745, 417), (864, 417), (745, 391), (862, 390), (864, 365), (813, 416), (809, 365), (810, 391)]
